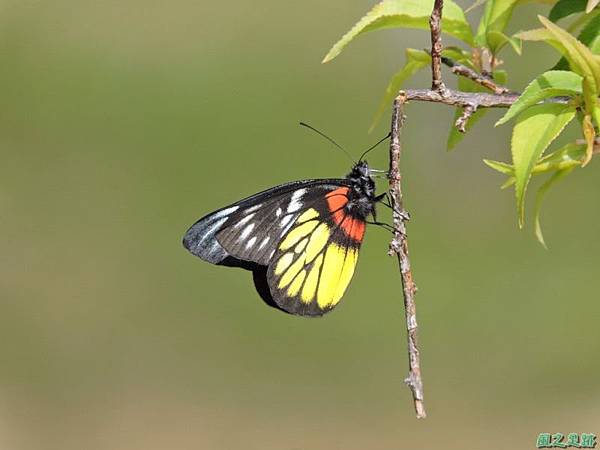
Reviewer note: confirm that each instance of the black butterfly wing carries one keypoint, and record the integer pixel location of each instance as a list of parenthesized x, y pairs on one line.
[(249, 230)]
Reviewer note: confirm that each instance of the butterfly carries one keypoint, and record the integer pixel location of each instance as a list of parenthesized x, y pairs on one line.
[(302, 238)]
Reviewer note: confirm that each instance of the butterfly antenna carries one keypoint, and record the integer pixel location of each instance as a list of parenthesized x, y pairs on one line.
[(372, 147), (328, 138)]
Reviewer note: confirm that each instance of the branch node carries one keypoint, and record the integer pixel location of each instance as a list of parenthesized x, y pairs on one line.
[(461, 122)]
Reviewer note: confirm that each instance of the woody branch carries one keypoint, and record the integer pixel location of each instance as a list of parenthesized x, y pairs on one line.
[(399, 247), (499, 97)]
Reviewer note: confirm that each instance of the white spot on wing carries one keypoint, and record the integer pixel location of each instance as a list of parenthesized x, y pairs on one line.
[(295, 203), (251, 242), (279, 211), (264, 242), (286, 224), (247, 231), (244, 220), (225, 212), (253, 208), (209, 233), (285, 221)]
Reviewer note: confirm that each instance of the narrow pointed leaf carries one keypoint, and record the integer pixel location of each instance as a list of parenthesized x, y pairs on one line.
[(550, 84), (539, 198), (508, 183), (570, 155), (406, 14), (580, 59), (536, 34), (502, 167), (536, 128), (496, 17), (459, 55), (415, 60), (497, 40), (589, 36)]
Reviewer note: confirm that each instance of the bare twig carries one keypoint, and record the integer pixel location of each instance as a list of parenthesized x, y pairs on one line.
[(474, 99), (461, 122), (399, 247), (478, 78), (435, 23)]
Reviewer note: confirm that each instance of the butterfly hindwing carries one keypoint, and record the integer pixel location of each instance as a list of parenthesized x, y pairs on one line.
[(315, 259)]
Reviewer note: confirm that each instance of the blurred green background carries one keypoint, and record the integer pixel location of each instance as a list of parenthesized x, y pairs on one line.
[(121, 123)]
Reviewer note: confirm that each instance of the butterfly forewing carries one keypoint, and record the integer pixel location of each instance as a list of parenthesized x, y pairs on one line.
[(226, 232), (252, 233)]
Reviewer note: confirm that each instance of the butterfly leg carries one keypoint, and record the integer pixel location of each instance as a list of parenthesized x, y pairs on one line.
[(387, 226), (402, 212)]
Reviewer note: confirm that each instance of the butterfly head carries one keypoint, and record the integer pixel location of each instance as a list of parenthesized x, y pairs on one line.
[(362, 194)]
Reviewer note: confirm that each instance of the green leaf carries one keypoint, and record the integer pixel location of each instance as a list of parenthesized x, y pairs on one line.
[(539, 198), (466, 85), (495, 18), (497, 40), (550, 84), (406, 14), (590, 36), (580, 59), (570, 155), (415, 60), (536, 128), (537, 34), (508, 183), (459, 55), (564, 8), (503, 168)]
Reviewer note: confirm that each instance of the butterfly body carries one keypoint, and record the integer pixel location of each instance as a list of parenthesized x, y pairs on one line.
[(306, 234)]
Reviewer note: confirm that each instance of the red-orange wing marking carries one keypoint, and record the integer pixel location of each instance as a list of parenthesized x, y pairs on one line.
[(336, 201)]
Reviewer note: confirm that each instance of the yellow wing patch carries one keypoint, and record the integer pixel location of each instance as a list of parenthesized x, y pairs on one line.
[(297, 233), (307, 215), (310, 286), (311, 268), (318, 240), (336, 274), (283, 263)]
